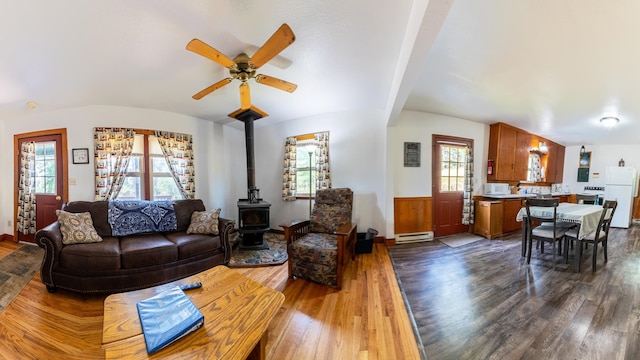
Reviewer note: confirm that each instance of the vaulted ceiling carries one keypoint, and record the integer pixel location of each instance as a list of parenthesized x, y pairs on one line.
[(550, 67)]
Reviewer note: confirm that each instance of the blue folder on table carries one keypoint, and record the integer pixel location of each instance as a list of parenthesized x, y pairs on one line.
[(167, 317)]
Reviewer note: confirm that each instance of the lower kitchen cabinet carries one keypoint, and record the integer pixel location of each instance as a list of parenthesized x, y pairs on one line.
[(510, 211), (488, 220)]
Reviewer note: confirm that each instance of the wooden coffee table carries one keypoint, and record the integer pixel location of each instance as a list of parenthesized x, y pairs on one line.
[(237, 312)]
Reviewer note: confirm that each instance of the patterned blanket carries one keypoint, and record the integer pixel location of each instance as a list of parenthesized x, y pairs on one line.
[(141, 216)]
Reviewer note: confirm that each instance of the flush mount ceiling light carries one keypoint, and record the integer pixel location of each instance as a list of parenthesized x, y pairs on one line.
[(32, 105), (609, 121)]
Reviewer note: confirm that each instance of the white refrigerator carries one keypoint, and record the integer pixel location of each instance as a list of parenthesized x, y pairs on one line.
[(621, 185)]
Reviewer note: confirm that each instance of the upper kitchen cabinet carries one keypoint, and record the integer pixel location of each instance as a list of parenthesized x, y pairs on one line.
[(509, 151), (555, 163), (505, 154)]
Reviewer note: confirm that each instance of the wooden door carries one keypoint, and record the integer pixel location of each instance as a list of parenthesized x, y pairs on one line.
[(448, 184), (51, 176)]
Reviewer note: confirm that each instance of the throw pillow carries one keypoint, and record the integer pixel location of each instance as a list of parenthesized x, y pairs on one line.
[(77, 228), (204, 222)]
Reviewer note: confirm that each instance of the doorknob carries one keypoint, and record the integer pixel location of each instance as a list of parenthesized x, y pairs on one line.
[(58, 198)]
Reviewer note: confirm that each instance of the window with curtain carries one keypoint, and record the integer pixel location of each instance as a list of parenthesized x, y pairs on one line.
[(306, 165), (143, 165), (148, 175)]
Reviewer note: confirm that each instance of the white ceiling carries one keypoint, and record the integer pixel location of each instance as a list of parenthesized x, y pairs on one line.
[(552, 67)]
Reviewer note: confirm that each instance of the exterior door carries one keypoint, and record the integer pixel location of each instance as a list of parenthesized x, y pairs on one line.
[(449, 158), (50, 177)]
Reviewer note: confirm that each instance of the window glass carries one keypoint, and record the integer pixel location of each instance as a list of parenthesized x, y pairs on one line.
[(305, 164), (162, 185), (45, 163), (453, 158)]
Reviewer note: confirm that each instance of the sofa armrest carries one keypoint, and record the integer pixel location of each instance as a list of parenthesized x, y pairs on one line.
[(50, 239), (225, 226)]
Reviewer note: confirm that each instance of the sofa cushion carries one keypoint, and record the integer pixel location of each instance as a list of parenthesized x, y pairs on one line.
[(98, 256), (184, 209), (204, 222), (77, 228), (190, 245), (147, 250)]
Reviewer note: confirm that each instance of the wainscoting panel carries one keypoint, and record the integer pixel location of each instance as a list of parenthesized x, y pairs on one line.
[(412, 216)]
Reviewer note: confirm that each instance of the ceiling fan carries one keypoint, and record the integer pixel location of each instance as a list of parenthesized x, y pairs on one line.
[(243, 67)]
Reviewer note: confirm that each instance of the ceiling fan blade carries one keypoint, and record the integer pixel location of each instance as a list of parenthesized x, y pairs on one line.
[(245, 96), (210, 53), (211, 88), (276, 83), (280, 39)]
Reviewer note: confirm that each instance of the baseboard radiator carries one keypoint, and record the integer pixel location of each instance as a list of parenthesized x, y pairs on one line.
[(414, 237)]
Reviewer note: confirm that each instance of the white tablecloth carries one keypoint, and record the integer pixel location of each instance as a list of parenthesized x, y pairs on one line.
[(586, 215)]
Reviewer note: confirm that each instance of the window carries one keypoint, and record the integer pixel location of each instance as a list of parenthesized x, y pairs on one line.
[(305, 168), (45, 163), (148, 175), (452, 167), (303, 175)]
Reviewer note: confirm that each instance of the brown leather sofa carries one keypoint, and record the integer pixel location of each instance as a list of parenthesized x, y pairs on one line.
[(131, 262)]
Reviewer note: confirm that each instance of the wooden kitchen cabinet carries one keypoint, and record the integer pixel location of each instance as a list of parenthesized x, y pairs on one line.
[(510, 211), (555, 163), (488, 219), (509, 150)]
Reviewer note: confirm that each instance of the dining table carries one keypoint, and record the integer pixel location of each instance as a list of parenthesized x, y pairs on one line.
[(586, 216)]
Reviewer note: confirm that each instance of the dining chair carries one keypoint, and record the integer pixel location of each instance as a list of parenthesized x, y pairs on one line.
[(600, 235), (550, 232), (590, 199)]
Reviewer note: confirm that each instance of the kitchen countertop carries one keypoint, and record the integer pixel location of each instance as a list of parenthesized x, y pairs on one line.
[(519, 196)]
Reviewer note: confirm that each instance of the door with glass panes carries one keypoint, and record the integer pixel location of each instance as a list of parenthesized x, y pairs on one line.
[(48, 178)]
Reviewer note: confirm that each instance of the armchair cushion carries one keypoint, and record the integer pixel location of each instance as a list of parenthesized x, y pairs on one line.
[(331, 210), (315, 257)]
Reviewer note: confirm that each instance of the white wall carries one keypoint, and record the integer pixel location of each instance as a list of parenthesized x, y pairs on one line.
[(413, 126), (601, 157), (210, 140), (357, 158)]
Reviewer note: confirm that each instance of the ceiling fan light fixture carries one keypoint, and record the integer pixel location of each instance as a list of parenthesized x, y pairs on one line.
[(609, 121)]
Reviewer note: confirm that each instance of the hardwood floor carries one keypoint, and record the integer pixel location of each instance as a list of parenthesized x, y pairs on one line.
[(482, 301), (366, 320)]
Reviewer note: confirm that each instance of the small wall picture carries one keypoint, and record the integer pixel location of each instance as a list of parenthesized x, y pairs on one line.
[(80, 156), (411, 154), (585, 160)]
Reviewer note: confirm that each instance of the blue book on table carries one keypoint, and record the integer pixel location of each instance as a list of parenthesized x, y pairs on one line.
[(167, 317)]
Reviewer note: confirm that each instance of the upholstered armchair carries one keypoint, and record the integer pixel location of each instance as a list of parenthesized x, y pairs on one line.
[(320, 248)]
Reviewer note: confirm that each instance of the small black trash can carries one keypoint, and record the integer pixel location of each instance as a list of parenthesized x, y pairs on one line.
[(364, 245)]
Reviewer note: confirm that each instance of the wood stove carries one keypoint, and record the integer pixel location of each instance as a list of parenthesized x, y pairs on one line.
[(253, 212)]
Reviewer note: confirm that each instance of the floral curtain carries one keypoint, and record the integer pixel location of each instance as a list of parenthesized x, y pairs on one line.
[(178, 150), (289, 176), (323, 173), (112, 152), (27, 189), (468, 205)]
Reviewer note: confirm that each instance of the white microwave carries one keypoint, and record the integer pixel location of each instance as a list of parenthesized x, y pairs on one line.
[(496, 189)]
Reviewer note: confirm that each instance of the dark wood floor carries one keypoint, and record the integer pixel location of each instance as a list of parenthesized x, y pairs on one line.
[(482, 301)]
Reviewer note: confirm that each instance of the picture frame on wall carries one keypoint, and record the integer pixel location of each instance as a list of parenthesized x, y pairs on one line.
[(585, 160), (80, 156), (411, 154)]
